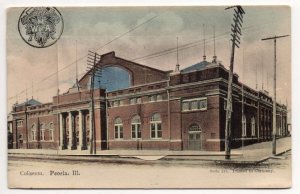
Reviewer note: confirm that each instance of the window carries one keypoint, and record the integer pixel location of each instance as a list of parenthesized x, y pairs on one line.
[(203, 104), (33, 132), (159, 97), (194, 104), (116, 103), (42, 134), (87, 129), (152, 98), (51, 134), (136, 127), (155, 125), (133, 101), (19, 123), (244, 126), (185, 106), (118, 128), (194, 128), (139, 100), (252, 126)]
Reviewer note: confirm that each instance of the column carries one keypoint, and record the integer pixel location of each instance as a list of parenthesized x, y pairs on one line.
[(91, 128), (61, 131), (80, 130), (74, 138), (70, 131)]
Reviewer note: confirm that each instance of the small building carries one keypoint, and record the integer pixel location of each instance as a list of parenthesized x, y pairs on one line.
[(141, 108)]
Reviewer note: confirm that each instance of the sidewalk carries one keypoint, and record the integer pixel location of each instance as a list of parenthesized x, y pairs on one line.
[(251, 154)]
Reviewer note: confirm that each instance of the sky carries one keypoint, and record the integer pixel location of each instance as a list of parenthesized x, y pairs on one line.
[(91, 28)]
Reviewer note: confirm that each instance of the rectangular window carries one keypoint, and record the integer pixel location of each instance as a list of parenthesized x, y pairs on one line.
[(135, 131), (33, 137), (185, 106), (159, 131), (42, 135), (159, 97), (139, 132), (152, 130), (132, 101), (51, 135), (194, 105), (121, 132), (116, 132), (203, 104), (139, 100), (152, 98)]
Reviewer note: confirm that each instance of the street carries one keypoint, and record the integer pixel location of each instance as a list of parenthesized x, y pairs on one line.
[(26, 173)]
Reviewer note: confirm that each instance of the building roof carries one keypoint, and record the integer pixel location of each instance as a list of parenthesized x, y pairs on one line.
[(29, 102), (195, 67)]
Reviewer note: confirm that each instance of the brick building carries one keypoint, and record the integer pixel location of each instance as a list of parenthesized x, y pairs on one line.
[(139, 107)]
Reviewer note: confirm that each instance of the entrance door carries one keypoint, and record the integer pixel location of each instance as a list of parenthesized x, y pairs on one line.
[(195, 137)]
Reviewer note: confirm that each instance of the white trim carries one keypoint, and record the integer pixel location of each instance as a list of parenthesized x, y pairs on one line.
[(193, 99)]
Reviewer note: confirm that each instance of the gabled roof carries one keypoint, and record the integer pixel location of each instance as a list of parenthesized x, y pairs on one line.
[(196, 67), (29, 103)]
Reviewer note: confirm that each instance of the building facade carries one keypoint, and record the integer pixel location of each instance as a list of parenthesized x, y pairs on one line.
[(139, 107)]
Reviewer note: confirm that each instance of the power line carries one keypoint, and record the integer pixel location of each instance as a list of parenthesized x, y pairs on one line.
[(149, 56), (109, 42)]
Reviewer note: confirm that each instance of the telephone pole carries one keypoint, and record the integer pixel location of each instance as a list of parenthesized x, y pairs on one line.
[(274, 92), (236, 32), (94, 71)]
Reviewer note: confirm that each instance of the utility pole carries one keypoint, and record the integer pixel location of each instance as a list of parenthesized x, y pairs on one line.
[(274, 92), (236, 31), (93, 71)]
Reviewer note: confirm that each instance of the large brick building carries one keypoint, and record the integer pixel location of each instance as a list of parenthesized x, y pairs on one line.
[(139, 107)]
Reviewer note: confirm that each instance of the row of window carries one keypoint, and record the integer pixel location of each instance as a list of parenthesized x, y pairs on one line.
[(194, 104), (42, 135), (137, 100), (155, 127), (49, 128)]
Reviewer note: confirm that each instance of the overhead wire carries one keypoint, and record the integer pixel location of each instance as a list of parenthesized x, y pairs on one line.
[(149, 56)]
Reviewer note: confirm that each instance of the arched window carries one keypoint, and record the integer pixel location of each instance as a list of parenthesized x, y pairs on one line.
[(136, 127), (51, 131), (194, 128), (118, 128), (33, 132), (252, 126), (113, 78), (155, 125), (244, 126)]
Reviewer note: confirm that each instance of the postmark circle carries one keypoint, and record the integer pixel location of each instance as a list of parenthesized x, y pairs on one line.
[(40, 27)]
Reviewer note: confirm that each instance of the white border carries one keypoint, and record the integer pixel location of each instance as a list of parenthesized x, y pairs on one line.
[(295, 83)]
